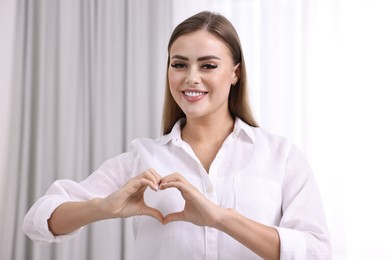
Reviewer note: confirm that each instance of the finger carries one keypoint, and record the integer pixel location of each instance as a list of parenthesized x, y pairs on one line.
[(174, 184), (174, 177), (151, 212), (152, 175), (148, 183), (174, 180), (176, 216), (140, 184), (157, 177)]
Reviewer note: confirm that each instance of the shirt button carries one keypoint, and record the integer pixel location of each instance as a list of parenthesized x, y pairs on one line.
[(210, 189)]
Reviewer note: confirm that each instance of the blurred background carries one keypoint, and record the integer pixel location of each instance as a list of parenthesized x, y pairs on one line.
[(80, 79)]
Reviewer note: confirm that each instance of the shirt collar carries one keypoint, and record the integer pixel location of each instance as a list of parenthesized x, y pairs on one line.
[(242, 127), (239, 127), (174, 135)]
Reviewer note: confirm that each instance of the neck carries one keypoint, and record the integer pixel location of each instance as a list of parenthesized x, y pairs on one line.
[(207, 130)]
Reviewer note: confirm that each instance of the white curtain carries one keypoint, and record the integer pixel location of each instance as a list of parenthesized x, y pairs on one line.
[(89, 77), (348, 122)]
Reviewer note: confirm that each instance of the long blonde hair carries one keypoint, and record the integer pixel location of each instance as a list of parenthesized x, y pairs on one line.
[(220, 27)]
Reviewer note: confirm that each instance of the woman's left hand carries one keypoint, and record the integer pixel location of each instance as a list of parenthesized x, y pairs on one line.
[(197, 210)]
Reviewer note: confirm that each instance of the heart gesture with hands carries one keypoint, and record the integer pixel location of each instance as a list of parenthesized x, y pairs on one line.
[(129, 200), (198, 209)]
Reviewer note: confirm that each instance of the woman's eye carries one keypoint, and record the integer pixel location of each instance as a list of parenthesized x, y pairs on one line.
[(178, 65), (209, 66)]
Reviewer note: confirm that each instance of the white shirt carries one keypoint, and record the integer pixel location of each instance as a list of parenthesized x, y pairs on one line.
[(262, 176)]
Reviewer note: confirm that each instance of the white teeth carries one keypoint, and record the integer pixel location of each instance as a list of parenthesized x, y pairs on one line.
[(193, 93)]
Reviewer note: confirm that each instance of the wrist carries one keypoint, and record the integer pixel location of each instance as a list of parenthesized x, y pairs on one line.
[(224, 218), (99, 209)]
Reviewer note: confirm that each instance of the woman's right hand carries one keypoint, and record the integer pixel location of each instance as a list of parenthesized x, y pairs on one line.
[(129, 200)]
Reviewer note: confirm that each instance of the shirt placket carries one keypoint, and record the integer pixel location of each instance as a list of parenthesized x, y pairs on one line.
[(211, 234), (209, 181), (210, 184)]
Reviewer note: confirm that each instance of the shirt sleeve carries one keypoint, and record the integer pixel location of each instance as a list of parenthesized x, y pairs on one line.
[(110, 176), (303, 231)]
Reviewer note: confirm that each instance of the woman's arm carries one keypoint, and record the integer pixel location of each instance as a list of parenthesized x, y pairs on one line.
[(126, 202), (71, 216), (261, 239)]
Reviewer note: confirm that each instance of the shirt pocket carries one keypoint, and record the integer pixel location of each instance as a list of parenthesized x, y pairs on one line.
[(258, 199)]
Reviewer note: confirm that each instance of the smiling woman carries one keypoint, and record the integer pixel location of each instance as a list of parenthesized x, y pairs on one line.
[(200, 82), (223, 41), (217, 159), (317, 72)]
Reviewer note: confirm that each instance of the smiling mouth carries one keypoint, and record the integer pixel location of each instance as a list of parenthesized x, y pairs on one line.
[(194, 93)]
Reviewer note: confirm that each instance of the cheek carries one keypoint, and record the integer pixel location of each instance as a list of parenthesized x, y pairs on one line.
[(174, 84), (174, 79), (221, 82)]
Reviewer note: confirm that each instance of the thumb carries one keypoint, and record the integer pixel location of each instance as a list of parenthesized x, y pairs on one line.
[(176, 216), (152, 212)]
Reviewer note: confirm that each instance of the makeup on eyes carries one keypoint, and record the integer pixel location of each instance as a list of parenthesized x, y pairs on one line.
[(179, 65), (179, 61)]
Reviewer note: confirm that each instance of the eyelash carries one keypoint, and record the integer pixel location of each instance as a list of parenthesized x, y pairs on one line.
[(207, 66), (178, 65)]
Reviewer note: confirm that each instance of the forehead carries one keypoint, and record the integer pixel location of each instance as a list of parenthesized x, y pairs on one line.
[(199, 43)]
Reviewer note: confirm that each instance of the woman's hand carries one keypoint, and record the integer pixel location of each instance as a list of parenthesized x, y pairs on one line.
[(197, 210), (129, 200), (125, 202), (261, 239)]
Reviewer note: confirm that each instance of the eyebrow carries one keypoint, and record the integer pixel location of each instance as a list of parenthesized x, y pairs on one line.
[(208, 57)]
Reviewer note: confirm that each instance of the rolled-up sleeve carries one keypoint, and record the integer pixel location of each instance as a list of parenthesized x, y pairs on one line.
[(110, 176), (35, 224), (303, 230)]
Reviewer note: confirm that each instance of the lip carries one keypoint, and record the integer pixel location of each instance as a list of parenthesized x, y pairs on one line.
[(193, 95)]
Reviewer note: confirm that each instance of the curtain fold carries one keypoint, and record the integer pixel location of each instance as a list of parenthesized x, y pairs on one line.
[(89, 78)]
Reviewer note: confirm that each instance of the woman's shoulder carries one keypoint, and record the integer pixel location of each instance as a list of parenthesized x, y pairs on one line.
[(260, 135), (275, 143), (143, 142), (278, 144), (266, 135)]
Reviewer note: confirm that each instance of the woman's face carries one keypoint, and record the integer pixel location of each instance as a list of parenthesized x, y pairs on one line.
[(200, 75)]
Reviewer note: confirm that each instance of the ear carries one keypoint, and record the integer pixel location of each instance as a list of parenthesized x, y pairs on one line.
[(237, 74)]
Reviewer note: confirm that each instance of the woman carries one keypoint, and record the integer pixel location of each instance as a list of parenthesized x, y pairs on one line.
[(219, 186)]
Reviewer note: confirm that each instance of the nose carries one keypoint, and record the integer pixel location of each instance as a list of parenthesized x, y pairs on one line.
[(193, 77)]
